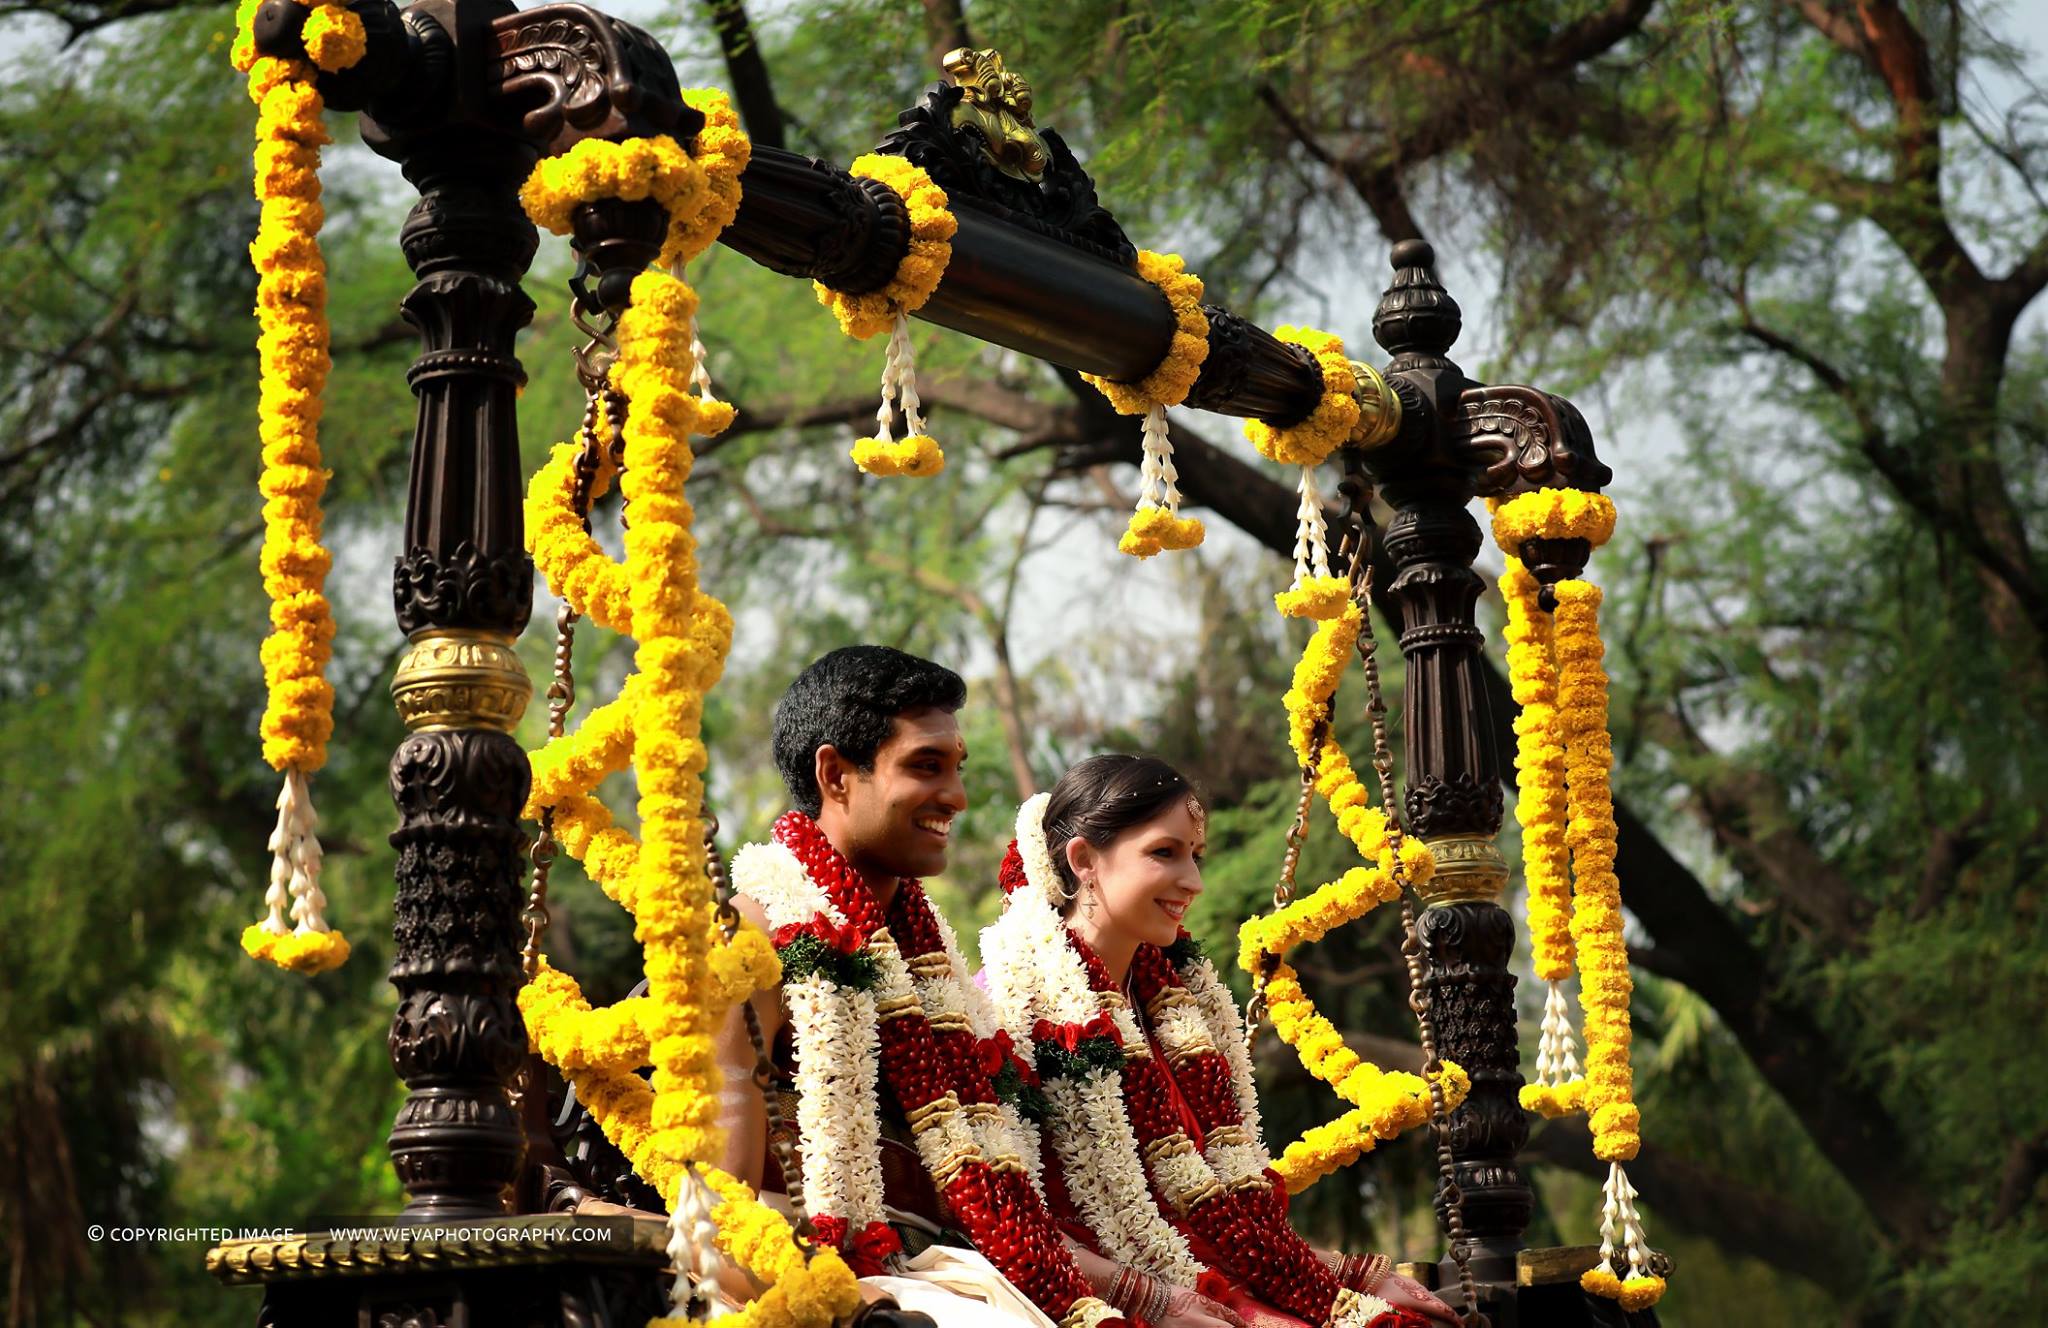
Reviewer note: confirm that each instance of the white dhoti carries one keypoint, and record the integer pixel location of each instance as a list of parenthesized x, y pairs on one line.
[(958, 1288)]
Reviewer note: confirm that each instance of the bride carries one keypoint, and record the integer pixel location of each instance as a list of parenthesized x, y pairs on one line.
[(1153, 1156)]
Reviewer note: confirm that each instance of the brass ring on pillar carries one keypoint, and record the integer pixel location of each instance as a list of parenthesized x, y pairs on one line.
[(1379, 409), (1469, 869), (460, 678)]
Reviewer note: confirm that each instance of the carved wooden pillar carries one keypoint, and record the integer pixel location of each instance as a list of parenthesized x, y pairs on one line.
[(1453, 799), (462, 588)]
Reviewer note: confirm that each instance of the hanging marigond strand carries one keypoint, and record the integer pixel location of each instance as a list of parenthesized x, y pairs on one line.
[(1540, 811), (667, 1128), (1383, 1104), (888, 309), (1563, 757), (291, 310), (1313, 593), (1157, 523)]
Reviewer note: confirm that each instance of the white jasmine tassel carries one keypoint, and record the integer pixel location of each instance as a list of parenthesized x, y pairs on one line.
[(310, 946), (1311, 534), (916, 455), (1557, 1060), (1637, 1247), (905, 359), (309, 904), (700, 369), (278, 897), (693, 1249), (1157, 523), (1156, 476)]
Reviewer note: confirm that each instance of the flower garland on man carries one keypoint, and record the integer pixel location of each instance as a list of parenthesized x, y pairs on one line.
[(876, 1026), (1153, 1127)]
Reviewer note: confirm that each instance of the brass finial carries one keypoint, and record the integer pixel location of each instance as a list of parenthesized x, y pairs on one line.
[(998, 105)]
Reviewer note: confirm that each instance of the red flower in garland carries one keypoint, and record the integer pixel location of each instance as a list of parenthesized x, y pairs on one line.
[(846, 940), (1071, 1036), (1011, 874), (992, 1052), (869, 1251)]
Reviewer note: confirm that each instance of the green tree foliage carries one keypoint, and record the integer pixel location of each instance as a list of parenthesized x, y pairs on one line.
[(1793, 241)]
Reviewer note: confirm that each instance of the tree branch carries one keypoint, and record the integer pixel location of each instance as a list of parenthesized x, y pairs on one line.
[(1919, 493), (948, 28), (1379, 188), (752, 88), (1741, 1220)]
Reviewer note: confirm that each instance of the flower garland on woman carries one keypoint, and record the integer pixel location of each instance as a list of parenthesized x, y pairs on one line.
[(1157, 523), (1567, 806), (1153, 1128), (291, 310), (885, 1031)]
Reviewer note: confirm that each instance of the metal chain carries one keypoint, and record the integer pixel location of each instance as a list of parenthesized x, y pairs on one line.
[(562, 688), (764, 1064), (1411, 949)]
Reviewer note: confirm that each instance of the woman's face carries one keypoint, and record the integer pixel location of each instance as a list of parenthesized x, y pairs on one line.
[(1145, 878)]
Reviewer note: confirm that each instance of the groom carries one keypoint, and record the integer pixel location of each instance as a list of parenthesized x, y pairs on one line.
[(886, 1065), (866, 742)]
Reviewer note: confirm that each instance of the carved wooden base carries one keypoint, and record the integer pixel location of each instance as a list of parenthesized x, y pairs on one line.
[(457, 1038), (1472, 1002), (1541, 1291)]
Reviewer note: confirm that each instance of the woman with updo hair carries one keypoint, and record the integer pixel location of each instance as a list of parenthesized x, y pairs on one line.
[(1152, 1158)]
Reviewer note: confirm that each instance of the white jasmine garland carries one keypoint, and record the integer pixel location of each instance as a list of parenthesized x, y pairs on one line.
[(774, 878), (838, 1050), (862, 1125)]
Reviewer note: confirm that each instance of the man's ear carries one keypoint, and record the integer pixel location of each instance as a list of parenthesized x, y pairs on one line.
[(832, 771)]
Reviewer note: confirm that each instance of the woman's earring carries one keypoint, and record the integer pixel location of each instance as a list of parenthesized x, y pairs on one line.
[(1088, 895)]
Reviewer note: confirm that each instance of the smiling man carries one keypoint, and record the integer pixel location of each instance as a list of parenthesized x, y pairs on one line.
[(894, 1093)]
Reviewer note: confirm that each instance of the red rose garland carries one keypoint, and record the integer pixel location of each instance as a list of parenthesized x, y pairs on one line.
[(933, 1072)]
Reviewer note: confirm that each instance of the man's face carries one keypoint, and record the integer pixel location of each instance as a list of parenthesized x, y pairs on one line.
[(897, 819)]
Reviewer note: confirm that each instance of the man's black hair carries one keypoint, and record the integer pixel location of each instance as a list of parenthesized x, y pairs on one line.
[(850, 698)]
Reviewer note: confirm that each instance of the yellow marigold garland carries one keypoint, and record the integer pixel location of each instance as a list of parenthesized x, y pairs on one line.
[(723, 151), (292, 345), (1539, 773), (1173, 377), (919, 272), (1563, 759), (917, 275), (667, 1127), (1552, 514), (1314, 597), (1384, 1104), (656, 168), (1157, 523), (1310, 442)]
